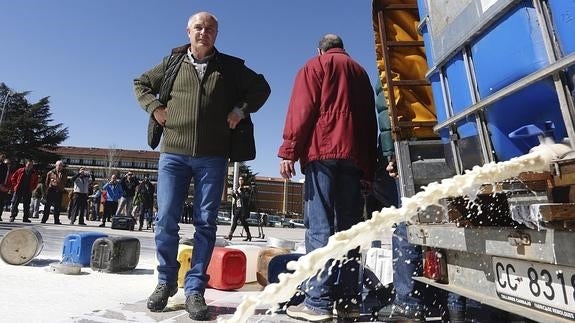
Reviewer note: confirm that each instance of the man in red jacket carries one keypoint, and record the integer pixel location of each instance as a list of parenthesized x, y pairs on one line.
[(5, 190), (331, 129), (24, 181)]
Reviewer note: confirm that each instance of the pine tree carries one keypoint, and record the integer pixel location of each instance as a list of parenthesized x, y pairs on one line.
[(27, 130)]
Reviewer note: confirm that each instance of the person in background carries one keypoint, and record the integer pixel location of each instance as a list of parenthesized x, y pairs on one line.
[(187, 212), (79, 206), (23, 181), (136, 202), (38, 197), (103, 199), (242, 197), (5, 189), (384, 192), (113, 194), (55, 183), (95, 199), (331, 129), (129, 184), (145, 192), (212, 93), (407, 258), (262, 222)]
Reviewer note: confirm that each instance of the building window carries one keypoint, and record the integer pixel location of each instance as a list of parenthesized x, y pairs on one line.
[(125, 163), (140, 164)]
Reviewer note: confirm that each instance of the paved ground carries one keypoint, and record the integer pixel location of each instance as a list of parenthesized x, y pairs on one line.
[(35, 293)]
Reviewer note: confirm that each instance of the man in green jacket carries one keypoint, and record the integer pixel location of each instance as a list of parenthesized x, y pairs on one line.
[(211, 93)]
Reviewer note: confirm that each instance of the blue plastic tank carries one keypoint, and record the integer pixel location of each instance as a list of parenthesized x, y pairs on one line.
[(509, 50), (77, 247), (563, 18)]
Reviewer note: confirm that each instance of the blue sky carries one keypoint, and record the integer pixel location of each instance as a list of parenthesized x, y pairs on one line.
[(85, 54)]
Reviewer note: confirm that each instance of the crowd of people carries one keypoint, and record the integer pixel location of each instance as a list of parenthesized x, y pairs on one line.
[(25, 185)]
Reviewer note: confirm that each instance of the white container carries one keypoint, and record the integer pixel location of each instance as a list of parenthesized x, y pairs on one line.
[(380, 262), (21, 245), (252, 252)]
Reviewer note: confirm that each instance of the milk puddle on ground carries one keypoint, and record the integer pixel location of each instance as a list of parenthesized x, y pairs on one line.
[(362, 234)]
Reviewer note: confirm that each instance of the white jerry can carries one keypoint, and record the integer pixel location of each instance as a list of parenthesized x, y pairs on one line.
[(379, 261)]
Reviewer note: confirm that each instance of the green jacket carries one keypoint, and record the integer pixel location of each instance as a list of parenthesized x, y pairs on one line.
[(385, 140), (197, 110)]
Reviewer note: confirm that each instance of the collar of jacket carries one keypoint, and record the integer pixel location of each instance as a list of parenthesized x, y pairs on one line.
[(184, 50), (336, 51)]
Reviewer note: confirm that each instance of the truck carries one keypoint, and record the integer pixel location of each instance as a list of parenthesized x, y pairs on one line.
[(472, 82)]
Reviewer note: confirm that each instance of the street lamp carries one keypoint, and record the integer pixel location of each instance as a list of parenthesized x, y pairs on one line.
[(8, 94)]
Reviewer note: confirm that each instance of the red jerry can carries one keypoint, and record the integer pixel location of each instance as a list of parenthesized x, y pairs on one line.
[(227, 269)]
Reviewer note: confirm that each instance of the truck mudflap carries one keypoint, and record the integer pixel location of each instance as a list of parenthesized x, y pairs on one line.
[(522, 271)]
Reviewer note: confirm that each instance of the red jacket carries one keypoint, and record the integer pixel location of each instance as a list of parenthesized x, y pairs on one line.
[(16, 179), (331, 114)]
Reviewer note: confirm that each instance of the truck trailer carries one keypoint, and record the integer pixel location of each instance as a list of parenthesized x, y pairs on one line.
[(471, 82)]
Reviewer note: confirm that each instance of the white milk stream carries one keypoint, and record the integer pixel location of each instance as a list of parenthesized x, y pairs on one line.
[(362, 234)]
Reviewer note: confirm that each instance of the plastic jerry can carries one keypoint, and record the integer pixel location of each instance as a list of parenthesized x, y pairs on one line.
[(251, 252), (264, 257), (227, 269), (278, 265), (185, 260), (115, 254), (21, 245), (77, 247), (380, 262)]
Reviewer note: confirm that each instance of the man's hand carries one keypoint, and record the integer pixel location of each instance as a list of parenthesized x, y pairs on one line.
[(392, 168), (161, 115), (287, 168), (233, 119)]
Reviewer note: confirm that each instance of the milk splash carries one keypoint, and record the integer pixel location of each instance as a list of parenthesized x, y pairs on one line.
[(362, 234)]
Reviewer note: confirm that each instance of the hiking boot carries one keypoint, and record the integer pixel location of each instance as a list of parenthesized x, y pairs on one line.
[(159, 298), (346, 310), (397, 313), (197, 308), (303, 312)]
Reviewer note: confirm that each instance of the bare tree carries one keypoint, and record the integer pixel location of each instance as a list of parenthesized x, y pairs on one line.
[(112, 161)]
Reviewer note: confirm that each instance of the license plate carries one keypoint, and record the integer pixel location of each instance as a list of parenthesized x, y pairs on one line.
[(543, 287)]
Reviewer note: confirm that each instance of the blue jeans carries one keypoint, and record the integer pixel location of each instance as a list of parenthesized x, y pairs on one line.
[(474, 311), (175, 173), (332, 203), (407, 262)]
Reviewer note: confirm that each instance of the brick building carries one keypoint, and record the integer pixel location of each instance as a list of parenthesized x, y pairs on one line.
[(273, 195)]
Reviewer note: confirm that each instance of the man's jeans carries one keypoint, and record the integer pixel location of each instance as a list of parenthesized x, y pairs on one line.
[(332, 204), (125, 206), (35, 207), (174, 175), (407, 262)]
